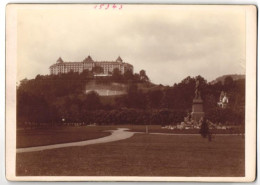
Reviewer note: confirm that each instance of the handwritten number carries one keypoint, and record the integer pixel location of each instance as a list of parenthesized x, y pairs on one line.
[(114, 6)]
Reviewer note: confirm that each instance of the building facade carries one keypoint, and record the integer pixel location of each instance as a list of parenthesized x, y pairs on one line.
[(88, 64)]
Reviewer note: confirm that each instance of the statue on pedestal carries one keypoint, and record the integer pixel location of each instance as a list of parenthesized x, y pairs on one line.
[(197, 90), (197, 105)]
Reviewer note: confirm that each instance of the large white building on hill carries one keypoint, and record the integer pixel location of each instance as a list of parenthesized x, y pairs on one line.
[(88, 64)]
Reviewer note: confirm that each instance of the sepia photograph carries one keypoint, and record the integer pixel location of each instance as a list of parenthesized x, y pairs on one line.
[(131, 92)]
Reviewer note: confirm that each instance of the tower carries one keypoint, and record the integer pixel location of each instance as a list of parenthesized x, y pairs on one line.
[(119, 59), (59, 61)]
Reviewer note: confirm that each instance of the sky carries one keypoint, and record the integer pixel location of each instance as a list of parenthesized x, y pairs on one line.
[(168, 42)]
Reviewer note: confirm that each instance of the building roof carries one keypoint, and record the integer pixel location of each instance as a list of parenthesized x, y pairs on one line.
[(88, 59), (59, 60), (119, 59)]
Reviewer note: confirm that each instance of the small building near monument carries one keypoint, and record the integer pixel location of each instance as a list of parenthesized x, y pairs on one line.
[(223, 100)]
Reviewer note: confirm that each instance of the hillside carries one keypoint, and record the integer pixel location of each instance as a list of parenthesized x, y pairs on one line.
[(50, 98), (116, 89), (106, 89), (222, 78)]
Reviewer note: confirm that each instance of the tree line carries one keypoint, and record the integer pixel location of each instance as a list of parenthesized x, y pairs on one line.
[(62, 98)]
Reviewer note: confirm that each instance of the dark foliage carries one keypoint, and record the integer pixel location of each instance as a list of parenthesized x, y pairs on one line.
[(53, 98)]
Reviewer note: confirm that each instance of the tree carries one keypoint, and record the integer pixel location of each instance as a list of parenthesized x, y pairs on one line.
[(32, 108), (98, 70), (116, 75), (92, 101), (228, 83), (209, 102), (128, 76), (74, 112), (48, 98), (143, 76), (135, 98), (86, 74), (155, 98), (23, 82), (136, 77)]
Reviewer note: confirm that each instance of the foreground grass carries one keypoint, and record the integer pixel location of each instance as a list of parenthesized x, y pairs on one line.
[(141, 155), (66, 134)]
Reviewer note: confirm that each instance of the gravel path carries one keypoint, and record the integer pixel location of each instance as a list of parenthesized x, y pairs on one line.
[(116, 135)]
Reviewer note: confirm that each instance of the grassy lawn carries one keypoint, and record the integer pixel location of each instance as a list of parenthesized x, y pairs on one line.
[(40, 137), (56, 135), (141, 155)]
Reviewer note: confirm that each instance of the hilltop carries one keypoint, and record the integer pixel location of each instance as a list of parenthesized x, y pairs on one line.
[(222, 78)]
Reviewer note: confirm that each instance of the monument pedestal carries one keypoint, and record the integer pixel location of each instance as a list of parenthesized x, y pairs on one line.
[(197, 110)]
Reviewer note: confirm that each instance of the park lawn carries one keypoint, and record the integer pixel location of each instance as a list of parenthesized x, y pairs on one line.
[(43, 136), (65, 134), (141, 155)]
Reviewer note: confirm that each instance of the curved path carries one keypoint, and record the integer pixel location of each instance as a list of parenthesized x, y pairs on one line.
[(116, 135)]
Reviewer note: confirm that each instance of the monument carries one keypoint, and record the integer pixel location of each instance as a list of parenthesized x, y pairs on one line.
[(197, 105)]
